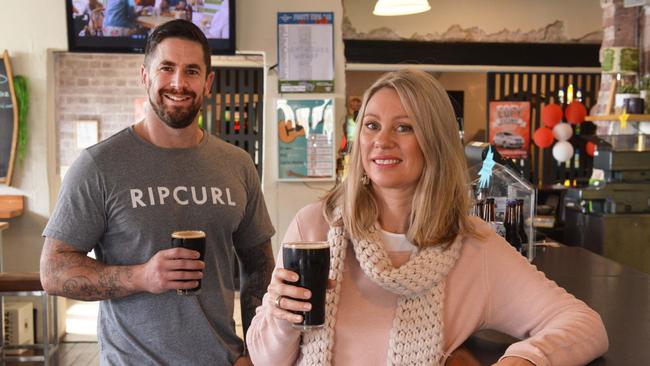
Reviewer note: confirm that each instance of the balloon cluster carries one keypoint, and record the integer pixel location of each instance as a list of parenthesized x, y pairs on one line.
[(555, 129)]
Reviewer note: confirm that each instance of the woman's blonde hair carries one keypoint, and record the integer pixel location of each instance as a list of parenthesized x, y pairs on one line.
[(441, 201)]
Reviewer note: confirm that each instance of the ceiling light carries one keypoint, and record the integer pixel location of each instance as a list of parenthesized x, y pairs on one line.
[(400, 7)]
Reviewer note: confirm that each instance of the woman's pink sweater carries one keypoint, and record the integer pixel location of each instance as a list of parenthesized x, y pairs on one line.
[(491, 287)]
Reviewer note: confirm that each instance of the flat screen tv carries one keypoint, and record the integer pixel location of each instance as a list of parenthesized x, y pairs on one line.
[(123, 25)]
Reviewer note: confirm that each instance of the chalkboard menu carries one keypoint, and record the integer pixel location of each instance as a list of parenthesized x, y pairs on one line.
[(8, 120)]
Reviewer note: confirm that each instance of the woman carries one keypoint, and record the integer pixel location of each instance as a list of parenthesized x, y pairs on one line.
[(414, 275)]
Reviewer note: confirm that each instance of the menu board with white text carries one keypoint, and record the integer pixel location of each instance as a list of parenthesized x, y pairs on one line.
[(306, 52)]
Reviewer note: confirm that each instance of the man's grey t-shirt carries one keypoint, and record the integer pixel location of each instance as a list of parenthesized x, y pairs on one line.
[(124, 197)]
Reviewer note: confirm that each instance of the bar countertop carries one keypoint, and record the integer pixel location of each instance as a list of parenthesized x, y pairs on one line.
[(621, 295)]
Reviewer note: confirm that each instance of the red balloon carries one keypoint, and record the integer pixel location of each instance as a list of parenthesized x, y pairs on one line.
[(590, 148), (551, 115), (543, 137), (575, 113)]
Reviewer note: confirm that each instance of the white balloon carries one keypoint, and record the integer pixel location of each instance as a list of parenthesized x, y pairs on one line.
[(562, 151), (562, 131)]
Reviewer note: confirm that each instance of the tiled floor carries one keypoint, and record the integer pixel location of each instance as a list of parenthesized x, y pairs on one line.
[(72, 354), (79, 354)]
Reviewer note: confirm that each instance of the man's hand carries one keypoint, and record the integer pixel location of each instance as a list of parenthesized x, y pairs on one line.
[(66, 271), (170, 269)]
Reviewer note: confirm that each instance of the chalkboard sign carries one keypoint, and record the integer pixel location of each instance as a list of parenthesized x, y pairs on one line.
[(8, 120)]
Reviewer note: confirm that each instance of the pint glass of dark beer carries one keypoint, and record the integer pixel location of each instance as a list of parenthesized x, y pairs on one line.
[(190, 239), (311, 261)]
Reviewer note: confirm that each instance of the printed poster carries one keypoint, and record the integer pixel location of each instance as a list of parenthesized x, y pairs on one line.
[(510, 128), (306, 52), (305, 139)]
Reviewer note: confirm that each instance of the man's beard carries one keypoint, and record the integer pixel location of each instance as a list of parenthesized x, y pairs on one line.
[(176, 117)]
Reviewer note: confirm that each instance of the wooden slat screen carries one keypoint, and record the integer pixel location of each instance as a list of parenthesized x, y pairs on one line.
[(234, 109), (540, 89)]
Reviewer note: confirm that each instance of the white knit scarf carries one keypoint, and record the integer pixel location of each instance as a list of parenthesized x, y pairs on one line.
[(416, 337)]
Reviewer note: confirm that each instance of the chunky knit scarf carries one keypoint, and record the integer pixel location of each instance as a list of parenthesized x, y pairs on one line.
[(416, 337)]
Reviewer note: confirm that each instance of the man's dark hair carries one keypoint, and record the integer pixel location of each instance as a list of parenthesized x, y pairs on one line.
[(177, 28)]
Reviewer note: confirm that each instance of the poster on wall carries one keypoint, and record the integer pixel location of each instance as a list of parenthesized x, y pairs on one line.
[(510, 128), (306, 52), (305, 139)]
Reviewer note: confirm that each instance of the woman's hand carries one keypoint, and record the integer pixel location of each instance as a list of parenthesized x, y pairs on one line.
[(282, 298)]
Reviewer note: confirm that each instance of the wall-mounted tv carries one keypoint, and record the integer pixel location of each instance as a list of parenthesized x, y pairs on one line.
[(123, 25)]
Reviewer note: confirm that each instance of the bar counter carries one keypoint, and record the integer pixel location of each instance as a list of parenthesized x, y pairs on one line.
[(621, 295)]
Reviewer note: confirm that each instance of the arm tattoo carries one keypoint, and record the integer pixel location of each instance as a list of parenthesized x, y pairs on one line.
[(256, 267), (73, 274)]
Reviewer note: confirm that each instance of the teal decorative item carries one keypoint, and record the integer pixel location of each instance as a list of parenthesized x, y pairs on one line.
[(486, 169)]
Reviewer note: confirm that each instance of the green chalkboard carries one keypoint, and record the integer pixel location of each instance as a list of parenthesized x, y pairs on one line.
[(8, 120)]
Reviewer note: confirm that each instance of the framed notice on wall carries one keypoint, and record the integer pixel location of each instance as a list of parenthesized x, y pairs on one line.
[(306, 52), (510, 128), (305, 139)]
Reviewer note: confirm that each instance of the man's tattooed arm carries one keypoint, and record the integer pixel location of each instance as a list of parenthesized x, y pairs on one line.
[(66, 271), (255, 274)]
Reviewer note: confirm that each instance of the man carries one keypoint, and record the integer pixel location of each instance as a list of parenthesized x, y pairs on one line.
[(124, 197)]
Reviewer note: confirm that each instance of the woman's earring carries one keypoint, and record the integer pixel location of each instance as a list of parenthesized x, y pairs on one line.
[(364, 179)]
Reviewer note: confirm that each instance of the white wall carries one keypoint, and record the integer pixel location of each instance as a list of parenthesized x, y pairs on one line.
[(580, 17), (27, 29)]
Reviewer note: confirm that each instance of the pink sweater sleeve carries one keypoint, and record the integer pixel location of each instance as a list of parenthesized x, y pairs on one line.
[(273, 341), (557, 328)]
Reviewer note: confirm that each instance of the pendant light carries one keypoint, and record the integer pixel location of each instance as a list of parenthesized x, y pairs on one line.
[(400, 7)]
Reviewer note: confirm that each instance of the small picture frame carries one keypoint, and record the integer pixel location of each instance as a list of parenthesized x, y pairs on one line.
[(86, 134)]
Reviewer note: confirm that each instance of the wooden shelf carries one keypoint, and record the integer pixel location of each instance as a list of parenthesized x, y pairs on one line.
[(11, 206), (615, 117), (3, 225)]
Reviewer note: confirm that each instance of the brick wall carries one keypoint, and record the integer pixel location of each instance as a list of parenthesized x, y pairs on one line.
[(98, 87), (103, 87), (620, 27)]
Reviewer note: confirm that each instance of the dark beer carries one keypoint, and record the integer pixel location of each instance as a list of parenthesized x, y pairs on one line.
[(311, 261), (194, 240)]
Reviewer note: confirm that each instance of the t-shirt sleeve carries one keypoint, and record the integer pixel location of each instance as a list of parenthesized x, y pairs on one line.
[(256, 226), (79, 218)]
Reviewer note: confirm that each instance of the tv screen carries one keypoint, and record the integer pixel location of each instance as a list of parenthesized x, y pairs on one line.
[(123, 25)]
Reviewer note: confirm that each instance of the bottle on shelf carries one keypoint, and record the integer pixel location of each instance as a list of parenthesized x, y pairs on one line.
[(521, 222), (511, 227), (490, 217), (489, 214), (478, 208)]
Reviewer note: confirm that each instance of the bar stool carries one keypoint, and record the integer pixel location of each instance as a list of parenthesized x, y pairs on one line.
[(29, 284)]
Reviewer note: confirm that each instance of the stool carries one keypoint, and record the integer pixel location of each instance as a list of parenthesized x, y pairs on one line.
[(29, 284)]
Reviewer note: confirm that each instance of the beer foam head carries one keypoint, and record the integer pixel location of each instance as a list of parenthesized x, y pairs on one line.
[(306, 245), (188, 234)]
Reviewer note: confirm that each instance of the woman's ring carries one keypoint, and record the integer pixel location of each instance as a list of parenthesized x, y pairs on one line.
[(277, 301)]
